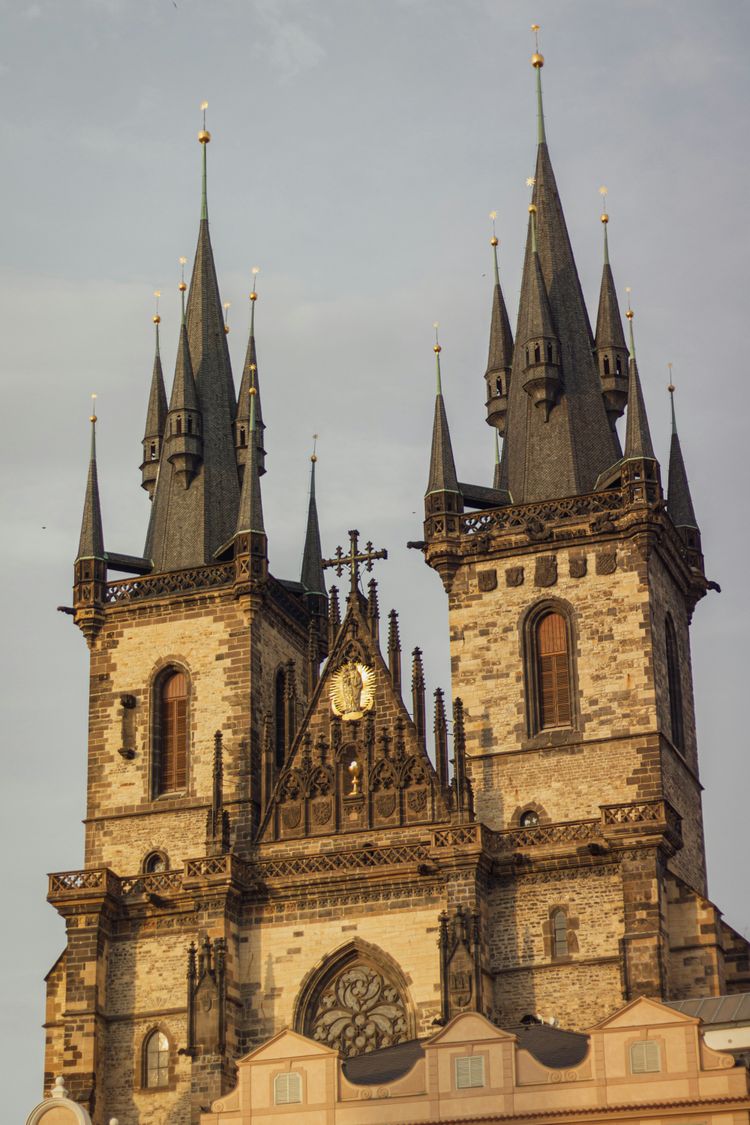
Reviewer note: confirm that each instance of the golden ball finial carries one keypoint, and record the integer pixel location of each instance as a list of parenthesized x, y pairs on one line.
[(532, 208), (204, 136), (494, 241), (437, 349), (537, 60), (604, 217), (671, 388), (253, 391), (156, 318), (253, 296), (182, 286), (630, 314), (313, 457)]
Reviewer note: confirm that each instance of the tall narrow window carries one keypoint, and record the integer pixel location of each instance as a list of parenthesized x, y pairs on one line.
[(553, 672), (156, 1060), (280, 717), (674, 685), (172, 734), (560, 934)]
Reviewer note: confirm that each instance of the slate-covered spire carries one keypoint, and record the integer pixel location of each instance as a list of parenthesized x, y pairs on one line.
[(250, 518), (611, 350), (91, 541), (539, 342), (679, 500), (183, 444), (442, 476), (640, 469), (312, 577), (638, 444), (189, 524), (156, 416), (249, 374), (564, 453), (500, 358)]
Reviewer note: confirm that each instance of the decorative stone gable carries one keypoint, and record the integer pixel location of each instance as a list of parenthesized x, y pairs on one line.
[(358, 761)]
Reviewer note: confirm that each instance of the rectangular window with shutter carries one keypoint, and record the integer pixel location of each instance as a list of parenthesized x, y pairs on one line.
[(287, 1088), (469, 1072), (553, 670), (645, 1057)]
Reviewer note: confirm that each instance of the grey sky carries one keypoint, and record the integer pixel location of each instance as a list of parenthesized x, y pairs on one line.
[(358, 148)]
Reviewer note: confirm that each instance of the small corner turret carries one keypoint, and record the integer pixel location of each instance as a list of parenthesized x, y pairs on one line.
[(90, 569), (250, 540), (250, 377), (500, 357), (156, 417), (640, 469), (610, 347), (679, 500), (443, 501), (183, 444), (540, 343)]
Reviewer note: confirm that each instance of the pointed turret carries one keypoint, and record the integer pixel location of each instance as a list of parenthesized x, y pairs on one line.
[(443, 501), (500, 358), (188, 525), (91, 541), (679, 500), (250, 542), (90, 570), (442, 478), (640, 469), (539, 343), (311, 576), (560, 446), (156, 416), (183, 443), (249, 376), (611, 350)]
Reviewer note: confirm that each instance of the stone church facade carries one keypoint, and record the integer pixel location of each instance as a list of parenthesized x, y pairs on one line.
[(281, 833)]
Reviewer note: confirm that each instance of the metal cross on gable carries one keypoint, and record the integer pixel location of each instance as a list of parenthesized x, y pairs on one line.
[(353, 558)]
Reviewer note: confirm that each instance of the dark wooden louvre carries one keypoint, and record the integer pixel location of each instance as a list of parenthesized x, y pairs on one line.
[(554, 672), (174, 734), (674, 686)]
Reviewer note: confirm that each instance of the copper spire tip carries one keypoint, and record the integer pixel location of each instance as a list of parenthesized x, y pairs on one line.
[(436, 346), (204, 136), (92, 416)]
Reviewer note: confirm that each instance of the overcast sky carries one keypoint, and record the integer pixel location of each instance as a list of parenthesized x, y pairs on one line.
[(358, 147)]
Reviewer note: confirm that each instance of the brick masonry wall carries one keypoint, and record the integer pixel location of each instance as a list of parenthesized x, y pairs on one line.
[(211, 637), (529, 978)]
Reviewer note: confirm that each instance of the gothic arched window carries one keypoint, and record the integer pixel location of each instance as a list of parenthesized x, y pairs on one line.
[(529, 818), (171, 733), (553, 671), (279, 709), (155, 862), (560, 933), (674, 685), (155, 1060)]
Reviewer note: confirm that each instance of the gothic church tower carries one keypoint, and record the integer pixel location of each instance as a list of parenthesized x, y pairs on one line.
[(275, 837)]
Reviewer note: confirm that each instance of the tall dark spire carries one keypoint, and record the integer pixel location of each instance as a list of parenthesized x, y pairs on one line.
[(250, 374), (189, 524), (611, 350), (91, 542), (156, 416), (312, 577), (563, 453), (638, 444), (442, 476), (500, 358), (679, 500)]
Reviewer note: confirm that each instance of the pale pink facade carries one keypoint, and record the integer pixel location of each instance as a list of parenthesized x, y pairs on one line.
[(693, 1083)]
